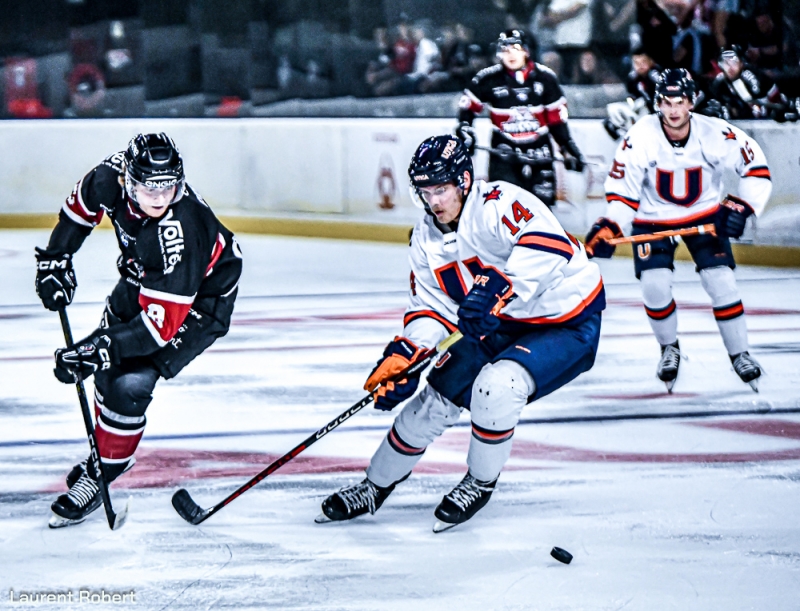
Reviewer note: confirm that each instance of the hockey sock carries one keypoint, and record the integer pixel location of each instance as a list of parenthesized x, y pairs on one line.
[(662, 313), (488, 452), (394, 459), (720, 284), (118, 437)]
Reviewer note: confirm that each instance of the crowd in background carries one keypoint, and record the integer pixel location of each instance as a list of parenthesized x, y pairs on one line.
[(114, 58)]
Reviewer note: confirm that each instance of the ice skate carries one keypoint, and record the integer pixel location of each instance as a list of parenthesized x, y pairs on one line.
[(668, 366), (462, 502), (80, 469), (353, 501), (74, 507), (747, 368)]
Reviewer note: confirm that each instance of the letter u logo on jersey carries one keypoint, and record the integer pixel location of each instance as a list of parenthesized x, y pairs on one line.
[(693, 186), (644, 251)]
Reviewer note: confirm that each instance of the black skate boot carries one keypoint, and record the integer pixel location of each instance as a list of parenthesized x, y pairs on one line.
[(462, 502), (668, 366), (354, 501), (80, 469), (74, 506), (747, 368)]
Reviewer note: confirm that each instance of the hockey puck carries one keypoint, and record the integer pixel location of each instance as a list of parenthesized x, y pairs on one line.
[(561, 555)]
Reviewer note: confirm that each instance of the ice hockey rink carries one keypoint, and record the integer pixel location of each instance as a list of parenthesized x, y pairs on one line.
[(660, 508)]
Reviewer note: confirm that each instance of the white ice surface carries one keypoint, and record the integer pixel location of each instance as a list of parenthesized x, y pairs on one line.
[(674, 513)]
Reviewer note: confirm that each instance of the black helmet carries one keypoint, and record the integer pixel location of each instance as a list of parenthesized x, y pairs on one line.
[(729, 52), (516, 37), (153, 160), (439, 160), (675, 83)]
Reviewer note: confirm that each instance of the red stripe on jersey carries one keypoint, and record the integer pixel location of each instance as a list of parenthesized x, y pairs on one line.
[(76, 206), (429, 314), (616, 197), (216, 253), (470, 102), (759, 172), (164, 311), (556, 113)]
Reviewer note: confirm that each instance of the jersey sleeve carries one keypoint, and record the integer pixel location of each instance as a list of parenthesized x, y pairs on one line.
[(472, 100), (625, 179), (430, 315), (539, 248), (83, 209), (750, 163)]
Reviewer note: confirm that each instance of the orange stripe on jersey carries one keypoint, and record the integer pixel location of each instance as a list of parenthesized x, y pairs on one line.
[(429, 314), (684, 220), (565, 317), (616, 197), (547, 243), (759, 172)]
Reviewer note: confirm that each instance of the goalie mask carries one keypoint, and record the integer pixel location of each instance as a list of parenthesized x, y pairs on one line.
[(152, 162), (439, 160)]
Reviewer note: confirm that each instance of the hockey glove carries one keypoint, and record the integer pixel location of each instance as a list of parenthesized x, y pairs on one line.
[(732, 217), (84, 358), (573, 159), (466, 133), (399, 354), (602, 230), (55, 279), (489, 293)]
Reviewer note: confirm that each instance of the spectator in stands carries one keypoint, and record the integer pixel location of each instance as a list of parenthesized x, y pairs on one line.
[(427, 72), (461, 57), (611, 39), (589, 70), (571, 21), (765, 41), (553, 60), (403, 50), (657, 32)]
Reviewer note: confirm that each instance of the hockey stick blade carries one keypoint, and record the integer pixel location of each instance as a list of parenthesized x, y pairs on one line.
[(186, 507), (121, 517)]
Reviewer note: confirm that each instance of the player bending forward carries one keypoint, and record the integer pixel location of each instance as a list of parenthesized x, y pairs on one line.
[(179, 271), (667, 174), (479, 245)]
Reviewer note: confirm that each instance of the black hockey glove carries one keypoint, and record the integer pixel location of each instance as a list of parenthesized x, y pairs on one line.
[(732, 217), (55, 279), (466, 133), (573, 160), (490, 291), (399, 354), (602, 230), (84, 358)]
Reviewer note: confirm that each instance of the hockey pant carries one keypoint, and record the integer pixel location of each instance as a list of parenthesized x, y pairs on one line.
[(539, 179), (719, 283), (123, 392)]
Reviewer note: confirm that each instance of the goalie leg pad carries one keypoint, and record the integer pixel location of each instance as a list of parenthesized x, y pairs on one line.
[(422, 420), (720, 284), (659, 304)]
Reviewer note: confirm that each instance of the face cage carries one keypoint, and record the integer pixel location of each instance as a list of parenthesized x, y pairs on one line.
[(131, 182), (419, 201)]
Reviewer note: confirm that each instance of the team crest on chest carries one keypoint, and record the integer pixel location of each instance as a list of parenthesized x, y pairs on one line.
[(692, 189)]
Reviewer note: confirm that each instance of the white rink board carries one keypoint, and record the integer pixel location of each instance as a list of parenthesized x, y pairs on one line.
[(344, 167)]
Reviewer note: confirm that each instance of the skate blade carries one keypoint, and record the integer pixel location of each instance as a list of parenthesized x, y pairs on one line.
[(754, 384), (57, 521), (669, 385), (440, 527), (322, 519)]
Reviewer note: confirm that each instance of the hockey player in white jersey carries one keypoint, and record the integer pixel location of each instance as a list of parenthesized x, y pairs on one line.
[(667, 174), (491, 260)]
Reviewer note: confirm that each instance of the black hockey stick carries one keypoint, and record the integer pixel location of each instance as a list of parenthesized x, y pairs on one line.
[(508, 154), (194, 514), (115, 520)]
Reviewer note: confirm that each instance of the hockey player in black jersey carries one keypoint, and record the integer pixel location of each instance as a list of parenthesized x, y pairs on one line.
[(526, 106), (641, 86), (742, 91), (179, 271)]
